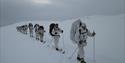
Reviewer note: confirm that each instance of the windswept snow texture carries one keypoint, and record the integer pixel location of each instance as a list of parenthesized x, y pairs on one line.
[(16, 47)]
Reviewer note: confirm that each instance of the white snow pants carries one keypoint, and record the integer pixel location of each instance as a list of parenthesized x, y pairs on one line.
[(56, 41), (37, 35), (41, 37), (81, 50), (31, 33), (24, 31)]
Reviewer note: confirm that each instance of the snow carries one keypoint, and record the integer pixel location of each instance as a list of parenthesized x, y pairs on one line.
[(16, 47)]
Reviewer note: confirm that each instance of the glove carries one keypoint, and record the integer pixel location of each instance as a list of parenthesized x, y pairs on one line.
[(62, 31), (93, 34), (80, 42), (55, 33)]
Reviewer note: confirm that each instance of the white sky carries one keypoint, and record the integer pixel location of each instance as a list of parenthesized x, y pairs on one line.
[(23, 10)]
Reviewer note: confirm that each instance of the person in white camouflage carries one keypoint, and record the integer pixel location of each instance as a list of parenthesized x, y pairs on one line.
[(79, 34), (31, 29)]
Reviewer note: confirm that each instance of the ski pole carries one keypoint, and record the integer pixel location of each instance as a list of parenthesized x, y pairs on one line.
[(73, 53), (63, 42), (94, 59)]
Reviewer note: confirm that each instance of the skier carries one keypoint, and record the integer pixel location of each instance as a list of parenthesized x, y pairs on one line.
[(22, 29), (55, 33), (41, 33), (36, 26), (79, 34), (25, 28), (31, 29)]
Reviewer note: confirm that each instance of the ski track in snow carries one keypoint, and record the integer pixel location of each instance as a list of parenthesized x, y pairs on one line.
[(16, 47)]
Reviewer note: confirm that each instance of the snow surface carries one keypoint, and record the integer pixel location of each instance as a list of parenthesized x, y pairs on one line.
[(16, 47)]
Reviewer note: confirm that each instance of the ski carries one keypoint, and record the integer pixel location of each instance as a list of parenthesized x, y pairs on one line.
[(82, 61), (61, 51), (43, 42)]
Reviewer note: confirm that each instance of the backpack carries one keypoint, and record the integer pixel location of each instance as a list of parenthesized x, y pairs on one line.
[(51, 28), (41, 28), (74, 27), (30, 26), (36, 26)]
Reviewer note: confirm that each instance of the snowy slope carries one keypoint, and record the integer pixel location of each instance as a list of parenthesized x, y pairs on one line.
[(16, 47)]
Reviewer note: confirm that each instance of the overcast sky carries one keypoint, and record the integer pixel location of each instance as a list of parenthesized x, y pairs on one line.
[(22, 10)]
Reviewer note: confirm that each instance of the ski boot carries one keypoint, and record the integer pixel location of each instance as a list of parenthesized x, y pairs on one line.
[(82, 60)]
